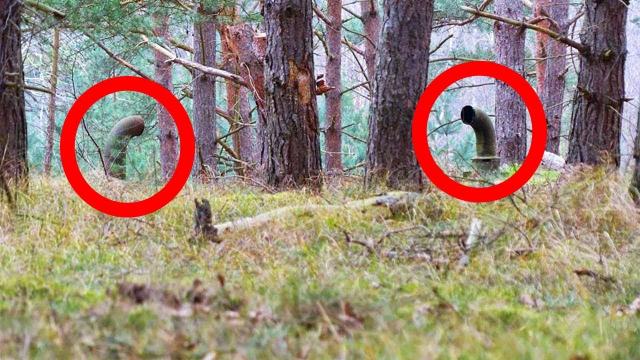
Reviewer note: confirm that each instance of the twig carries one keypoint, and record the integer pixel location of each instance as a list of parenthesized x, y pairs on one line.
[(368, 245), (104, 165), (440, 45)]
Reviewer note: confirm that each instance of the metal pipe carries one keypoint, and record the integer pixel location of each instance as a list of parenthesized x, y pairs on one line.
[(116, 146), (486, 155)]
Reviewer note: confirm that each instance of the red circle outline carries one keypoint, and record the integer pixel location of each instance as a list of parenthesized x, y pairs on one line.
[(421, 140), (68, 146)]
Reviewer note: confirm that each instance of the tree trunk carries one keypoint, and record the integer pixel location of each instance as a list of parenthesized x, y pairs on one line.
[(401, 76), (233, 109), (551, 83), (291, 146), (635, 180), (540, 9), (333, 134), (204, 94), (249, 49), (166, 126), (51, 124), (13, 122), (238, 97), (596, 120), (511, 115), (371, 21), (246, 138)]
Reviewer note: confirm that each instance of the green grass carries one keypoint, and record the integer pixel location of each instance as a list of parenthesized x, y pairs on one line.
[(297, 289)]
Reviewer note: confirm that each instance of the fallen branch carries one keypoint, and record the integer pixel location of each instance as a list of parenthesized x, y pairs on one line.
[(369, 245), (393, 200), (594, 275)]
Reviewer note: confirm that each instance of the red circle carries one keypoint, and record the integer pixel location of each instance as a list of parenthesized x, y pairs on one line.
[(421, 140), (68, 146)]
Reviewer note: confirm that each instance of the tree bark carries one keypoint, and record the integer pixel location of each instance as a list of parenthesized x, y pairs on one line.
[(552, 68), (204, 94), (635, 180), (511, 116), (401, 76), (541, 7), (246, 137), (238, 97), (333, 134), (600, 95), (13, 122), (291, 147), (371, 21), (51, 124), (249, 49), (167, 129)]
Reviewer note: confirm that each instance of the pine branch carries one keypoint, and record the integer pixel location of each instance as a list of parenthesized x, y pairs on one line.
[(554, 35)]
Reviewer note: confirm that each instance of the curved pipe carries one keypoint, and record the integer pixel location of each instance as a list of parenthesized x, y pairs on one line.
[(486, 155), (116, 147), (483, 128)]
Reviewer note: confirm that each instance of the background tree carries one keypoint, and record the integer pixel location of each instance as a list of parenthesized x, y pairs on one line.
[(401, 76), (204, 92), (247, 49), (238, 106), (511, 116), (291, 146), (13, 123), (635, 180), (163, 75), (51, 113), (551, 66), (333, 135), (600, 93), (371, 21), (540, 10)]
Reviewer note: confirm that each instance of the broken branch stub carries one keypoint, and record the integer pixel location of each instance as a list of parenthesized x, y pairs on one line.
[(117, 142), (204, 229)]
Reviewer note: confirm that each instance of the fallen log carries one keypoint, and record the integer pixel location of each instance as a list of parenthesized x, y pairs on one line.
[(396, 202)]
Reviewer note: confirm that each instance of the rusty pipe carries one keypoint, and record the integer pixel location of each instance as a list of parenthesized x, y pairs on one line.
[(486, 155), (116, 146)]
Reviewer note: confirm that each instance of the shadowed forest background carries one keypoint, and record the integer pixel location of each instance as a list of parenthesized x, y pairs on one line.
[(307, 228)]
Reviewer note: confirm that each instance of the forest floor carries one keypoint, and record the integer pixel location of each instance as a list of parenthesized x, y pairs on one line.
[(552, 274)]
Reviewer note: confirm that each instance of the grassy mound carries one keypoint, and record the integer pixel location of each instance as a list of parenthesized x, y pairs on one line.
[(551, 274)]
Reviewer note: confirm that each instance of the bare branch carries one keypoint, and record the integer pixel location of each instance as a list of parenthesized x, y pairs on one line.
[(115, 57), (37, 5), (194, 65), (554, 35), (441, 44)]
